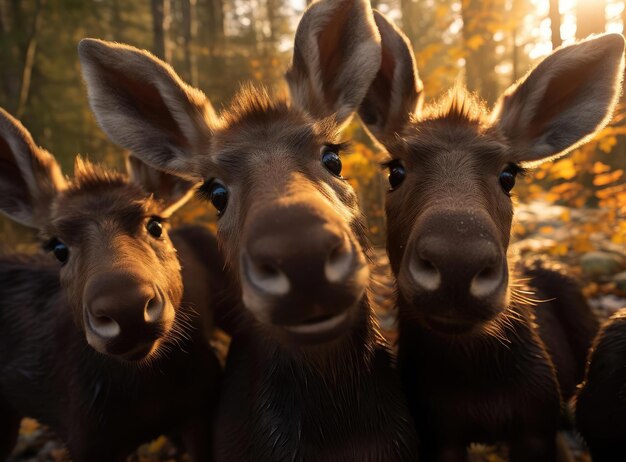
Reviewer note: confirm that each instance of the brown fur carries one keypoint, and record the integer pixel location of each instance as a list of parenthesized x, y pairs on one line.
[(101, 217), (601, 398), (281, 179), (472, 358), (288, 396), (102, 405)]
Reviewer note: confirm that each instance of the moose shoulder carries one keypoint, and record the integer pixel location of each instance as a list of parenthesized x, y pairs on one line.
[(601, 399)]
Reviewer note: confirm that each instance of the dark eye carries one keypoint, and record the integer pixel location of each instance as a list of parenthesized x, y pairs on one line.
[(396, 174), (155, 227), (332, 162), (507, 179), (216, 193), (60, 250)]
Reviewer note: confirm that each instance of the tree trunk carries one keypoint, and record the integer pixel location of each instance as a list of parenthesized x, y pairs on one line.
[(116, 21), (17, 16), (515, 57), (160, 29), (29, 58), (623, 96), (12, 52), (479, 46), (190, 30), (590, 18), (216, 24), (3, 29), (555, 24), (272, 6), (408, 12)]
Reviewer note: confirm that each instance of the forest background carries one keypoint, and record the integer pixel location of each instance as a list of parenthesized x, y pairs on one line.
[(219, 44), (572, 209)]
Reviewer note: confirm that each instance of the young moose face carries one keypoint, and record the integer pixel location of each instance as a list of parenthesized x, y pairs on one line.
[(118, 268), (453, 166), (289, 223), (449, 219)]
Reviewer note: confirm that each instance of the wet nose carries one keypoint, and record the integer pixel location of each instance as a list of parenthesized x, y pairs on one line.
[(121, 309), (305, 259), (456, 253), (272, 263)]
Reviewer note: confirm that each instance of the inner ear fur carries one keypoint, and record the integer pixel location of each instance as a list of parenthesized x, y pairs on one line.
[(30, 176), (144, 106), (397, 91), (336, 57), (564, 100)]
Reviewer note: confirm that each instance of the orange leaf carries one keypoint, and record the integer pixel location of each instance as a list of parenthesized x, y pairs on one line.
[(599, 167), (607, 178), (565, 169), (582, 244), (607, 143), (560, 249)]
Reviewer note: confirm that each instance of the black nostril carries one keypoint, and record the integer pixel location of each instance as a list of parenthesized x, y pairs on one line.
[(340, 263), (264, 275), (426, 265), (336, 252), (425, 274), (267, 270), (487, 273), (487, 281), (154, 309), (102, 320), (104, 326)]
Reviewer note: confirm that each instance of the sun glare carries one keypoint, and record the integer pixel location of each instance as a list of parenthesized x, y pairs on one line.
[(568, 5), (539, 23)]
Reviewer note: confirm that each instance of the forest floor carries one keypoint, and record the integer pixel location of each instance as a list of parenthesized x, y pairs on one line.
[(570, 236)]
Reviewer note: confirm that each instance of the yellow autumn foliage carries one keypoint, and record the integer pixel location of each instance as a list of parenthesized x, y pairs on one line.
[(474, 42), (564, 168), (590, 176), (607, 178), (599, 167)]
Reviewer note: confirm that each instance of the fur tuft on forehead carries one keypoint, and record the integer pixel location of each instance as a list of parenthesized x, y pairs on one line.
[(255, 105), (257, 113), (457, 106), (93, 177), (96, 194)]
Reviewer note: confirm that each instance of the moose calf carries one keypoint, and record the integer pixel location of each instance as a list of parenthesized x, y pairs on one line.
[(308, 376), (473, 362), (601, 399), (102, 345)]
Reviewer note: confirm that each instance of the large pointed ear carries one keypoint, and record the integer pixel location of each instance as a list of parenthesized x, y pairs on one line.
[(397, 90), (335, 58), (30, 177), (563, 101), (145, 107), (171, 190)]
